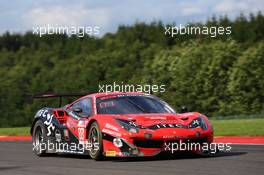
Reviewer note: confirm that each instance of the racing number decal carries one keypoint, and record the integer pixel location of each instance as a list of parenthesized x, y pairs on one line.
[(81, 133)]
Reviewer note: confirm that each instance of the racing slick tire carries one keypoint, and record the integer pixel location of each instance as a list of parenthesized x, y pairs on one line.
[(39, 139), (95, 138)]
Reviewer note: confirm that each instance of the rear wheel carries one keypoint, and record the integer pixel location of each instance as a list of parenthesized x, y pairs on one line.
[(95, 138), (39, 138)]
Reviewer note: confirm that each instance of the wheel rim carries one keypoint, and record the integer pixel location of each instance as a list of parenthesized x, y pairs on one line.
[(94, 139)]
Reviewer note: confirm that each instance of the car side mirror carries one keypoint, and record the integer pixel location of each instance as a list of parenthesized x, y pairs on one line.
[(77, 110), (184, 109)]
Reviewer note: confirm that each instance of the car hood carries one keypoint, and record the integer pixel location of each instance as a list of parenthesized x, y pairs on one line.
[(151, 119)]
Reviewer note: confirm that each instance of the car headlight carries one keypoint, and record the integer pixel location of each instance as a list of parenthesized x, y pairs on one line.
[(199, 122), (127, 125)]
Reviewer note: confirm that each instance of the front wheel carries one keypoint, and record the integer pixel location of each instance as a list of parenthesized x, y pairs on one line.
[(95, 138)]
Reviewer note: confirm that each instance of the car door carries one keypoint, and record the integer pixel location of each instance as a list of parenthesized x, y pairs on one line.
[(77, 112)]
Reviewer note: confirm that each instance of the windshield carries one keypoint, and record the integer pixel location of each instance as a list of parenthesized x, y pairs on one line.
[(132, 104)]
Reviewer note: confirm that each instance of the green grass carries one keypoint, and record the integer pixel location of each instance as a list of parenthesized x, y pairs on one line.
[(238, 127), (230, 127), (15, 131)]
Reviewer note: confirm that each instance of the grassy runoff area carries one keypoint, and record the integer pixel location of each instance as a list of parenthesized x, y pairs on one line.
[(239, 127), (20, 131), (230, 127)]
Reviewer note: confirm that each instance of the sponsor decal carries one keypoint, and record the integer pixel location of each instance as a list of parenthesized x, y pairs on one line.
[(158, 118), (159, 126), (49, 124), (45, 114), (174, 137), (107, 104), (109, 126), (42, 113), (164, 121), (126, 154), (110, 153)]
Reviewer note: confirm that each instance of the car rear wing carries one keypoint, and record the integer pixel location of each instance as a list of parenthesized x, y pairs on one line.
[(58, 95)]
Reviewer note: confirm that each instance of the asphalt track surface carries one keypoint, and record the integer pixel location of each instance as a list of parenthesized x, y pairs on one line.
[(17, 158)]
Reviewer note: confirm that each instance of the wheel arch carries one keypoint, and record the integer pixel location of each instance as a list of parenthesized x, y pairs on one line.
[(89, 125), (33, 124)]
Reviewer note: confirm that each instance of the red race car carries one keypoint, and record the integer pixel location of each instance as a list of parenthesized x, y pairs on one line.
[(117, 124)]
